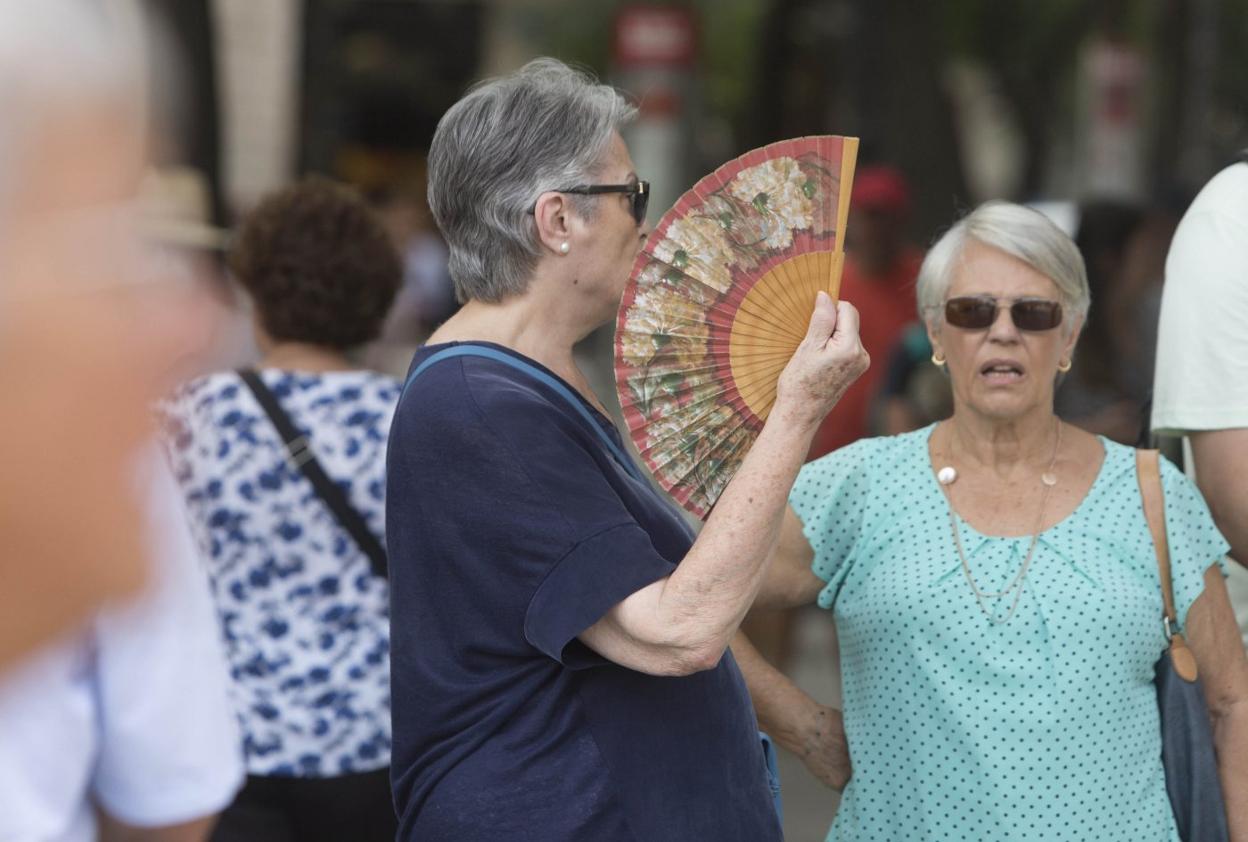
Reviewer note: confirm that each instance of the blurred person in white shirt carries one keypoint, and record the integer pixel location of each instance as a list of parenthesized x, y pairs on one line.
[(1201, 384), (125, 730), (84, 344), (114, 719)]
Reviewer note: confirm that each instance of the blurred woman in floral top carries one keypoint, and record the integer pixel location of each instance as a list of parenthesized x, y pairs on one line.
[(304, 617)]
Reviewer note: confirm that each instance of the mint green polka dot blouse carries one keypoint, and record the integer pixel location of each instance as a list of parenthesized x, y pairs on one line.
[(1043, 728)]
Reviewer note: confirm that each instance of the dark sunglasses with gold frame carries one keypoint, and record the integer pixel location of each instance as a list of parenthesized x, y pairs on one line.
[(977, 312)]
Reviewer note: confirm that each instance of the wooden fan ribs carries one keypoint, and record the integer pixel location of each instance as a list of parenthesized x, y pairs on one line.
[(785, 290), (718, 301)]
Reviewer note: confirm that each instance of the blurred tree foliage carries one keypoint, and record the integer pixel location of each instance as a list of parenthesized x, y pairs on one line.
[(770, 69), (1031, 50)]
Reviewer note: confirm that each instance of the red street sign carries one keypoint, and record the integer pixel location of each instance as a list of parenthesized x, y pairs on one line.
[(654, 36)]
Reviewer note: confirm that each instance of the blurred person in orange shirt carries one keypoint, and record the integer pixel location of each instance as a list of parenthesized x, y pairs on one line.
[(85, 344), (880, 270)]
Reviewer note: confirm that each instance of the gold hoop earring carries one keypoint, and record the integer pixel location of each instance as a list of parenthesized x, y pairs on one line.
[(938, 360), (1064, 366)]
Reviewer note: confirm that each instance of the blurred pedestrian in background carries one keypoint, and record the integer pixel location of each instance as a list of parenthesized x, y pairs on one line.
[(94, 740), (1123, 245), (89, 334), (560, 664), (1201, 387), (880, 269), (915, 391), (175, 217), (301, 597), (426, 297), (124, 730)]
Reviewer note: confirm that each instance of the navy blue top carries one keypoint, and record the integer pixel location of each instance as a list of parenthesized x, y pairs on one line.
[(512, 528)]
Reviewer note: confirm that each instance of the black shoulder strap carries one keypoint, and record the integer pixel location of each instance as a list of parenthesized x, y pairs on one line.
[(300, 455)]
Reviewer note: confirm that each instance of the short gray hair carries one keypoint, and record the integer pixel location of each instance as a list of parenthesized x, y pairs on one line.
[(497, 149), (1020, 232)]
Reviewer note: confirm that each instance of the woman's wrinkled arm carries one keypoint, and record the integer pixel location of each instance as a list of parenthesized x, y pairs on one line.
[(685, 622), (813, 732), (1213, 636), (790, 582), (1222, 475)]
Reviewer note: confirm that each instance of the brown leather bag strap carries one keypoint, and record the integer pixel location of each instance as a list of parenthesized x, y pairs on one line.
[(1148, 472)]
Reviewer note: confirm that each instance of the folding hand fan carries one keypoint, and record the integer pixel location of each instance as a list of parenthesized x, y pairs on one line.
[(718, 301)]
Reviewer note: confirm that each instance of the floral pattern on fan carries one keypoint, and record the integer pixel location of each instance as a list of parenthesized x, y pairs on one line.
[(676, 381)]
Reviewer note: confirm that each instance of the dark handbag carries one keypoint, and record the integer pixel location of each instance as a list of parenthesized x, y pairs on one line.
[(301, 456), (1187, 752)]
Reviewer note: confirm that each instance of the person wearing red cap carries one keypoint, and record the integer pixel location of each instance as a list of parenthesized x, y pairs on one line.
[(880, 269)]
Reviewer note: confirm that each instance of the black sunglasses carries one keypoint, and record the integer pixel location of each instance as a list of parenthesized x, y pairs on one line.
[(638, 195), (976, 312)]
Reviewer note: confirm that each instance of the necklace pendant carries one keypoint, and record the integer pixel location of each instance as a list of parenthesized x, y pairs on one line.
[(1049, 478), (946, 475)]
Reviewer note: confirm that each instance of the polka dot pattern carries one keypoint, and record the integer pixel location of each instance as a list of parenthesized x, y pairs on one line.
[(1043, 728)]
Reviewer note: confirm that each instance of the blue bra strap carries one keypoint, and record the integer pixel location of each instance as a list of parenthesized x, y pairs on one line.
[(537, 374)]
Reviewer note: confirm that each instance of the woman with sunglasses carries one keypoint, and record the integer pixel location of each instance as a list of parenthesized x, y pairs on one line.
[(994, 586), (559, 638)]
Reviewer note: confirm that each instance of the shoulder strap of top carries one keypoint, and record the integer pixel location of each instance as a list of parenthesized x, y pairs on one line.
[(537, 374)]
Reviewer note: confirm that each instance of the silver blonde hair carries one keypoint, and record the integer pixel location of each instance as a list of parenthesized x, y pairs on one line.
[(496, 150), (1020, 232)]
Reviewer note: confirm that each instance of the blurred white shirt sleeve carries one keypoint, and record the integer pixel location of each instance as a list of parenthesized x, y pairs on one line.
[(169, 746), (1201, 380)]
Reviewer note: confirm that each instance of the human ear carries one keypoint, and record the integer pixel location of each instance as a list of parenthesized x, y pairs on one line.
[(550, 215)]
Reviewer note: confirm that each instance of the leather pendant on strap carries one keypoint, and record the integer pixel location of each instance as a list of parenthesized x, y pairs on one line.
[(1182, 658)]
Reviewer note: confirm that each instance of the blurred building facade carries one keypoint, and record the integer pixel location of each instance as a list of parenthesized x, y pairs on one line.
[(1068, 101), (972, 99)]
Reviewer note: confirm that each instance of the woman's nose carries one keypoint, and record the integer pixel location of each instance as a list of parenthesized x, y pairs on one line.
[(1002, 328)]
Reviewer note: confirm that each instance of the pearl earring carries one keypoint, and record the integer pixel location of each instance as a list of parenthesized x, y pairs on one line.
[(1063, 366), (938, 359), (564, 248)]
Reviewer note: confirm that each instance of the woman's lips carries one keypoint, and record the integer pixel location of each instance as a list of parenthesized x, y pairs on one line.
[(1002, 372)]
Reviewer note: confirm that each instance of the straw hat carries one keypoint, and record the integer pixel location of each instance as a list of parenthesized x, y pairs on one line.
[(174, 210)]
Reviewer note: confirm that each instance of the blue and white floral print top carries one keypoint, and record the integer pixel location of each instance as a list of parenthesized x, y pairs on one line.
[(305, 621)]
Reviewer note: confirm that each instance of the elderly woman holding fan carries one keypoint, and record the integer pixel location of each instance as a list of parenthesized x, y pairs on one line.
[(560, 664), (994, 585)]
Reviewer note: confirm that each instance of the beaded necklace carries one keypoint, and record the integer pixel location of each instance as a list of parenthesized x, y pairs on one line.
[(946, 477)]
